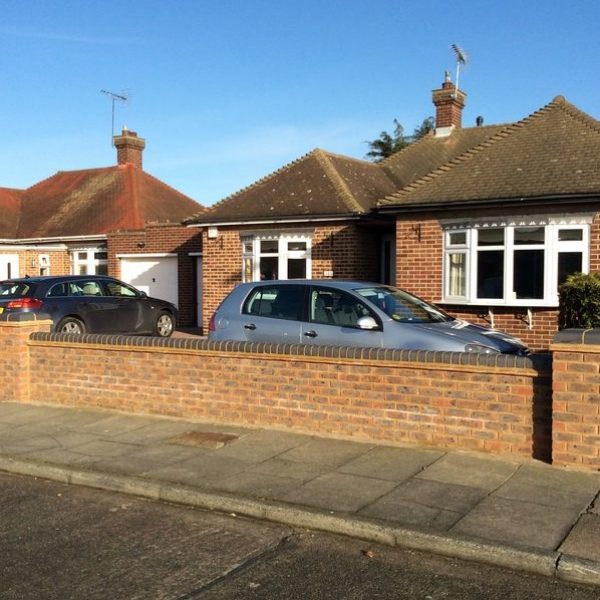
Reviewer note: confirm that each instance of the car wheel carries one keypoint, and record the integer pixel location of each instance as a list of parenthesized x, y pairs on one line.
[(164, 324), (71, 325)]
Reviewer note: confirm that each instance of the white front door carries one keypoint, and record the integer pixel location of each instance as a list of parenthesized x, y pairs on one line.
[(155, 275), (199, 291), (9, 266)]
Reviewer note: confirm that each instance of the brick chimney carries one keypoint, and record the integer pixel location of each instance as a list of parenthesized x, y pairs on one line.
[(449, 103), (129, 148)]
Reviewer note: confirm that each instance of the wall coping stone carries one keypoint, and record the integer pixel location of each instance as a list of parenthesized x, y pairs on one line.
[(589, 337), (303, 350)]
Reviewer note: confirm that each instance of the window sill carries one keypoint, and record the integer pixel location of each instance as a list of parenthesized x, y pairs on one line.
[(517, 304)]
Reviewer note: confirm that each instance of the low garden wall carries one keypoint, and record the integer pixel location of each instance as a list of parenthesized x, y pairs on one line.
[(494, 404)]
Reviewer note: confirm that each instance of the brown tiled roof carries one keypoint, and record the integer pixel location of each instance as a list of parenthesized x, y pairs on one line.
[(553, 152), (317, 184), (10, 206), (430, 152), (96, 201)]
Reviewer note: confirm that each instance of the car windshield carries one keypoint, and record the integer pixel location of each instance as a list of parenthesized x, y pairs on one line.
[(403, 307), (13, 289)]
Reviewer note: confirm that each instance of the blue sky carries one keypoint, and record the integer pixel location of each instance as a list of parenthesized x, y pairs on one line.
[(226, 91)]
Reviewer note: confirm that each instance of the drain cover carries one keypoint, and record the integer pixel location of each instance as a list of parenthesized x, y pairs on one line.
[(203, 439)]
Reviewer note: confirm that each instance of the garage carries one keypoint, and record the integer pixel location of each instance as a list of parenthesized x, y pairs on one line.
[(155, 274)]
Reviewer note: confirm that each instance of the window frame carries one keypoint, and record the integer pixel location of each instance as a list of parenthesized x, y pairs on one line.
[(551, 246), (91, 262), (252, 254)]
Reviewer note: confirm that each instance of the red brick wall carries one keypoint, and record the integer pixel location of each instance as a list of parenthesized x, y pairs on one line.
[(484, 408), (347, 250), (167, 239), (576, 405)]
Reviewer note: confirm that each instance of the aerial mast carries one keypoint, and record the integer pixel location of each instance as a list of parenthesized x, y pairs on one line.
[(114, 97)]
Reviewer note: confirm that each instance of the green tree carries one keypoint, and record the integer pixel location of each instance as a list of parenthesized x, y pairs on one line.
[(388, 144)]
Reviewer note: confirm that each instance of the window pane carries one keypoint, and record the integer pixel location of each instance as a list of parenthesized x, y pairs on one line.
[(457, 238), (82, 256), (490, 274), (100, 255), (269, 246), (248, 269), (296, 268), (457, 280), (82, 269), (280, 302), (529, 235), (248, 247), (491, 237), (102, 269), (528, 280), (297, 246), (268, 267), (568, 263), (570, 235)]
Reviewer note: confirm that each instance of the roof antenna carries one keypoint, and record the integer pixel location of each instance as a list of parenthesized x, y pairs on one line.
[(461, 59), (122, 98)]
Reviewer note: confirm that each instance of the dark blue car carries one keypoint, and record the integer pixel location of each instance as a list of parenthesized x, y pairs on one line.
[(89, 303)]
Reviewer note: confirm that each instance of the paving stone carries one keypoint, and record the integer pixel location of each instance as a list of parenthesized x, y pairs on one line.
[(259, 485), (161, 431), (259, 446), (327, 453), (397, 509), (551, 486), (103, 448), (117, 424), (582, 541), (471, 470), (448, 496), (517, 523), (339, 492), (29, 444), (279, 467), (395, 464)]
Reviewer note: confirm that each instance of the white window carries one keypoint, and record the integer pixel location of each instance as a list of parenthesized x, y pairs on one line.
[(44, 264), (89, 261), (276, 256), (520, 262)]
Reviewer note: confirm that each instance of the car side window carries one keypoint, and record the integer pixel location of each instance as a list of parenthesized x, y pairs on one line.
[(277, 301), (58, 290), (335, 307), (116, 288), (91, 288)]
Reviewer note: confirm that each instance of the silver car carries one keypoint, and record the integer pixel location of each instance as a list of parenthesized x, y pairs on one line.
[(348, 313)]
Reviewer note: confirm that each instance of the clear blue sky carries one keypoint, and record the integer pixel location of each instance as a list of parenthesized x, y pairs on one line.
[(226, 91)]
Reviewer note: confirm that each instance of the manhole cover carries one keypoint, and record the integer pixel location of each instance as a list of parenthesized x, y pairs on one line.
[(203, 439)]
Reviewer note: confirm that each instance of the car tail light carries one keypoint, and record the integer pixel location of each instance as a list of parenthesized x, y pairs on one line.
[(25, 303), (211, 323)]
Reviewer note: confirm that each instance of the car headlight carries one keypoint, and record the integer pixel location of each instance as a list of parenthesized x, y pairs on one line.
[(480, 349)]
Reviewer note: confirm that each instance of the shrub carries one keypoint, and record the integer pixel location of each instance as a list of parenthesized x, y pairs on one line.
[(579, 304)]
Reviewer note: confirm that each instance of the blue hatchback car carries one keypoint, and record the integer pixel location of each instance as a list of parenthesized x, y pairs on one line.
[(348, 313)]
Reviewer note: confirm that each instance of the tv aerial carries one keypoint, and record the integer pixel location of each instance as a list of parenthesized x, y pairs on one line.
[(461, 59), (122, 97)]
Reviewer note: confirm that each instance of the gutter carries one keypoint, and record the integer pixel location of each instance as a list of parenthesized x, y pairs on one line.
[(347, 217), (40, 240)]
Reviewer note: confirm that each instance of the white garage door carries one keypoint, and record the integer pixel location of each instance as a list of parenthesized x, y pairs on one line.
[(155, 275)]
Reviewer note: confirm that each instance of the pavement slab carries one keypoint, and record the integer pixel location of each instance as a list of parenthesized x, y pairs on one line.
[(470, 470), (339, 492), (326, 453), (518, 523), (549, 486), (395, 464), (583, 540)]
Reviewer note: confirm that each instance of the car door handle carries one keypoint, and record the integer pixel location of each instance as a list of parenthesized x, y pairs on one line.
[(250, 326), (312, 333)]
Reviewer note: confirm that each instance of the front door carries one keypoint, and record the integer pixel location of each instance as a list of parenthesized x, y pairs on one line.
[(9, 266)]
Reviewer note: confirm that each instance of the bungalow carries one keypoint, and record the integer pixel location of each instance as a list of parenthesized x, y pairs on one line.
[(486, 221), (115, 220)]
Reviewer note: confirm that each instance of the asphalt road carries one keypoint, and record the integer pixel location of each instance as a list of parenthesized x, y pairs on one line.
[(63, 542)]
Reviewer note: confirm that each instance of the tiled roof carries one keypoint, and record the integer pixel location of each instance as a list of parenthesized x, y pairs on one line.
[(553, 152), (94, 201), (10, 206), (319, 183)]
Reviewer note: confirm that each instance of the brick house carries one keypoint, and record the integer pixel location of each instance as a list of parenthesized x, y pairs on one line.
[(115, 220), (485, 221)]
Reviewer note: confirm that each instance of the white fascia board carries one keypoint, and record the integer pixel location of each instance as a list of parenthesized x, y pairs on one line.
[(277, 221), (63, 239), (142, 255), (45, 248)]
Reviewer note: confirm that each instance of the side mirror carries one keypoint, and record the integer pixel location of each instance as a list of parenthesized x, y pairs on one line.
[(142, 294), (367, 323)]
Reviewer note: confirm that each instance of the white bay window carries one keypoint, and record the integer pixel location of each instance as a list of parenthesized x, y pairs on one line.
[(516, 262)]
